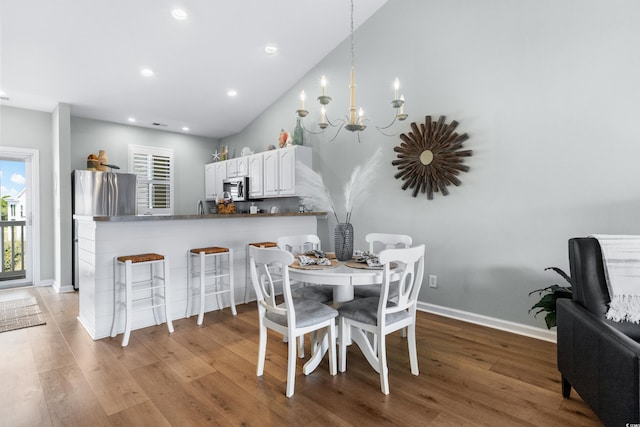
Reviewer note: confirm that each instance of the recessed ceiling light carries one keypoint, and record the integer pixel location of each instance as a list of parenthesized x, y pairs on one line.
[(132, 119), (185, 128), (271, 49), (179, 14), (231, 93), (146, 72)]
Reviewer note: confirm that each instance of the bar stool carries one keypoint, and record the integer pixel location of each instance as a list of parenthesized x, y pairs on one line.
[(216, 271), (248, 284), (145, 289)]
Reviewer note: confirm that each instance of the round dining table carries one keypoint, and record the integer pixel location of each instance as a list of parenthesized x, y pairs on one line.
[(343, 278), (339, 275)]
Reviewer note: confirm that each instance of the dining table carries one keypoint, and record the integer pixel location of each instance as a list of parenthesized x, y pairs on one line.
[(343, 276)]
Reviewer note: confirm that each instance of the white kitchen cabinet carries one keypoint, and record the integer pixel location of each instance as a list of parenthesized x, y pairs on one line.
[(270, 173), (280, 170), (214, 174), (237, 167), (256, 172), (209, 181)]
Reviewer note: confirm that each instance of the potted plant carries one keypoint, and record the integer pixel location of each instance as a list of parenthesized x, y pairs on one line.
[(549, 297)]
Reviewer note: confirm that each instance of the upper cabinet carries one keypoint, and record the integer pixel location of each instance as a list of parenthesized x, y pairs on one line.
[(271, 173), (209, 181), (237, 167), (214, 174), (256, 175), (280, 170)]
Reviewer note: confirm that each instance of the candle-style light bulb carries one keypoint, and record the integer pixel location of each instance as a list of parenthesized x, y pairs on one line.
[(302, 98), (323, 84), (323, 115), (396, 86), (402, 106), (360, 116)]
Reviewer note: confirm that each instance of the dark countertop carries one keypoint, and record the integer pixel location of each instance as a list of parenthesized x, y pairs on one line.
[(206, 216)]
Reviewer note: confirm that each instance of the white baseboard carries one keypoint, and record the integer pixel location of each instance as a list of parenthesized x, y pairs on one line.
[(491, 322), (56, 286), (44, 283)]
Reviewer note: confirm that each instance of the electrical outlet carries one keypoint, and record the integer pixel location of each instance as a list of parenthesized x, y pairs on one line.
[(433, 281)]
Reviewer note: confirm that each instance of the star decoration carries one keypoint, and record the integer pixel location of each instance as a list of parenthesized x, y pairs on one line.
[(216, 156)]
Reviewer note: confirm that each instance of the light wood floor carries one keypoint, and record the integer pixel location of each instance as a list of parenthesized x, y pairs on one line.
[(469, 375)]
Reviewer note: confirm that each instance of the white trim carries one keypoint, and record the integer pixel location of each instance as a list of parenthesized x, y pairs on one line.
[(491, 322), (56, 286), (31, 157)]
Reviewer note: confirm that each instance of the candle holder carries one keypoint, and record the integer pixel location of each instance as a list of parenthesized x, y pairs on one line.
[(355, 127), (397, 103), (302, 113), (324, 100)]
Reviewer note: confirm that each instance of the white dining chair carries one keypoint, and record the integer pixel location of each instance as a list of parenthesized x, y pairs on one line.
[(293, 318), (377, 242), (379, 316), (298, 244)]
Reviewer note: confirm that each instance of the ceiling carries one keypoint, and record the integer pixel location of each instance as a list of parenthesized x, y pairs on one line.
[(89, 54)]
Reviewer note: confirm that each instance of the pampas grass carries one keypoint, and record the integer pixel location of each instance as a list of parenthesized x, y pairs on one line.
[(358, 184), (310, 186)]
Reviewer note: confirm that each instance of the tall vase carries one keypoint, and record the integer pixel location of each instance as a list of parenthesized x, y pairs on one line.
[(298, 134), (344, 241)]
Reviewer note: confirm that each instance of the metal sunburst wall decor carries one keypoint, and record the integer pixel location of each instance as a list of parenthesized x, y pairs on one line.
[(430, 157)]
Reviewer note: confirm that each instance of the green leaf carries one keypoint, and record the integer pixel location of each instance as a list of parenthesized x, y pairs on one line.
[(550, 320)]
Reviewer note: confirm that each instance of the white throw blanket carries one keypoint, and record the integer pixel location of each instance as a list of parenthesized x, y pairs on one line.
[(621, 256)]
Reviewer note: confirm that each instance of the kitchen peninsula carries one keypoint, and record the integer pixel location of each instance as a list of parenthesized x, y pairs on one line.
[(100, 239)]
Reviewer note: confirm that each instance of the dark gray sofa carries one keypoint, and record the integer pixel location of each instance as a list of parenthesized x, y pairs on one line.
[(599, 358)]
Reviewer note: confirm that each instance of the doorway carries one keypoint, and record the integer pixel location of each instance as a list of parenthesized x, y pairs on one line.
[(19, 219)]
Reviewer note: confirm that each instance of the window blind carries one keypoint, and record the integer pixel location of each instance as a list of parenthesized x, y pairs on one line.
[(154, 167)]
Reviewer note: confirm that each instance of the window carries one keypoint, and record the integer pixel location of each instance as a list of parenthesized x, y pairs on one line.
[(154, 167)]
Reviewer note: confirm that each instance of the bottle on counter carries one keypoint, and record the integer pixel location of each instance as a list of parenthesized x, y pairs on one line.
[(253, 209)]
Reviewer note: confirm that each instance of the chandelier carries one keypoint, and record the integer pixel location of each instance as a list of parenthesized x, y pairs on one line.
[(352, 122)]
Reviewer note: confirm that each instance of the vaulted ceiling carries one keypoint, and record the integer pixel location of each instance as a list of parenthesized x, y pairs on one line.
[(90, 54)]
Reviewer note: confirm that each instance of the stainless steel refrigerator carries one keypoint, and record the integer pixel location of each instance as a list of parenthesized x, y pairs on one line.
[(100, 194)]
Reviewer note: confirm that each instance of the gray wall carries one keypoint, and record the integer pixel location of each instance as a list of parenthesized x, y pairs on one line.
[(191, 153), (548, 92), (33, 129), (37, 130)]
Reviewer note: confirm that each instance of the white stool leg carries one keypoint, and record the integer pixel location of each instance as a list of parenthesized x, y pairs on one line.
[(216, 280), (166, 294), (232, 289), (189, 285), (154, 282), (116, 290), (128, 278), (202, 285)]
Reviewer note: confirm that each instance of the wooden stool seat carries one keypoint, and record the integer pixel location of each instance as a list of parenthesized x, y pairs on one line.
[(248, 284), (210, 250), (154, 289), (264, 244), (140, 258), (217, 272)]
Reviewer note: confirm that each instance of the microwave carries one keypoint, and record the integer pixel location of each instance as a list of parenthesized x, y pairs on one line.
[(237, 187)]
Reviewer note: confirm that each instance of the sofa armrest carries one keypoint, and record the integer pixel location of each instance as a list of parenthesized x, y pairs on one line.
[(600, 363)]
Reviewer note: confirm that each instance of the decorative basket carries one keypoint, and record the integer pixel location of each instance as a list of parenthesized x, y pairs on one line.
[(229, 208)]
